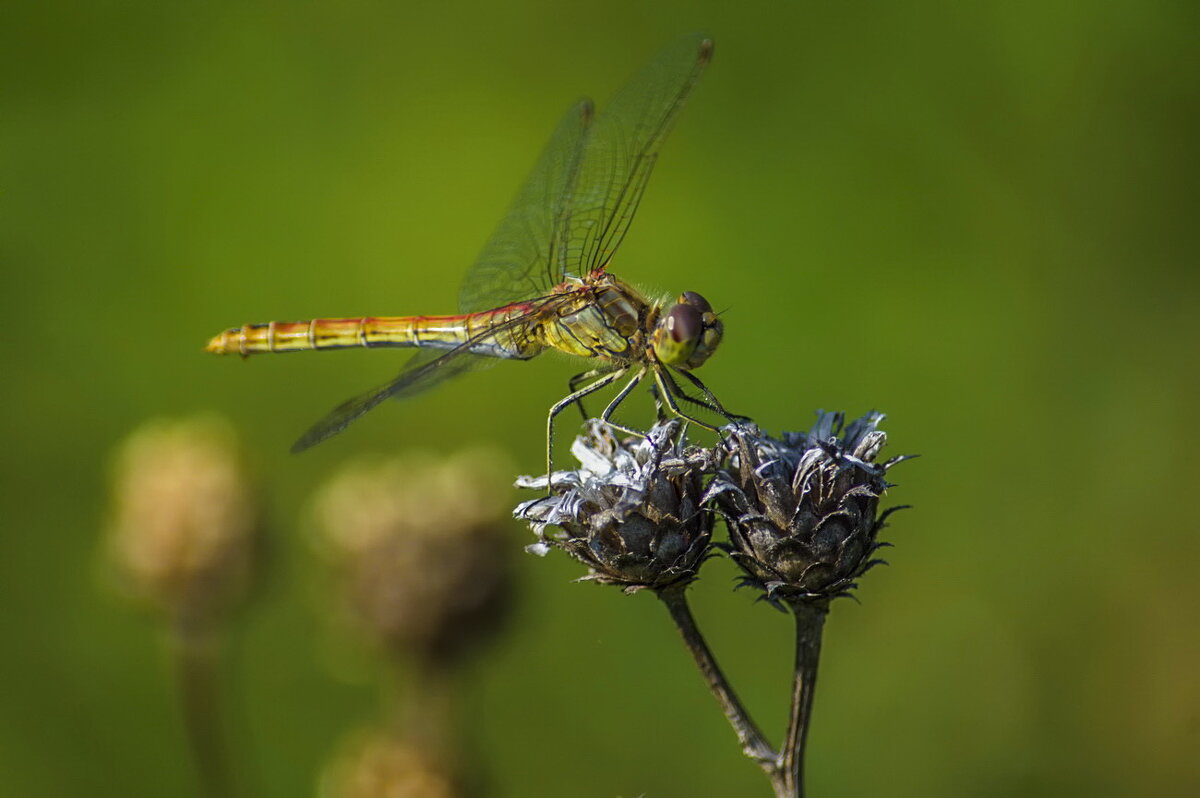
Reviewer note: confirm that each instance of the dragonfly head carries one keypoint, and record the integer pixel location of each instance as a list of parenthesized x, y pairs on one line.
[(688, 332)]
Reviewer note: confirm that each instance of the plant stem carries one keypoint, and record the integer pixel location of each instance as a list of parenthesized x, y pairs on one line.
[(788, 779), (754, 744), (195, 651), (431, 716)]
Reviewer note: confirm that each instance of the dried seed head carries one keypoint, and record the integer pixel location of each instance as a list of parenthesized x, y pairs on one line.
[(376, 764), (185, 521), (420, 545), (633, 512), (802, 511)]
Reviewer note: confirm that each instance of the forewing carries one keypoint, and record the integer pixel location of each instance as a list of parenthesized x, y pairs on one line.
[(620, 151), (520, 259)]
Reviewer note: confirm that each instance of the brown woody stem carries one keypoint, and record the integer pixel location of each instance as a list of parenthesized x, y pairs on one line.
[(788, 778), (754, 744)]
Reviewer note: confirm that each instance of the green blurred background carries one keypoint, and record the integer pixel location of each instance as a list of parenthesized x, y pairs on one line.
[(979, 218)]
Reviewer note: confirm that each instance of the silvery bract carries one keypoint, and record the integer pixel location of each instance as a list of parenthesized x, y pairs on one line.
[(633, 511)]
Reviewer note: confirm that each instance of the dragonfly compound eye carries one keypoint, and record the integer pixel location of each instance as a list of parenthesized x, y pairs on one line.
[(695, 300), (695, 332), (677, 334)]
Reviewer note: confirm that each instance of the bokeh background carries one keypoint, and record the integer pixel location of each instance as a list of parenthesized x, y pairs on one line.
[(979, 218)]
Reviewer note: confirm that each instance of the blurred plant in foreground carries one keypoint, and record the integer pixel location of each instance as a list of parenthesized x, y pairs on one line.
[(420, 551), (184, 539), (802, 515)]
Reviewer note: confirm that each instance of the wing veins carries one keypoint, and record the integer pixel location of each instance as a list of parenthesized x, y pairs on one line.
[(413, 380), (621, 151)]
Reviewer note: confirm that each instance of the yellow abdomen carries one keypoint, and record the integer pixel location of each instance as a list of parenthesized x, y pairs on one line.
[(440, 332)]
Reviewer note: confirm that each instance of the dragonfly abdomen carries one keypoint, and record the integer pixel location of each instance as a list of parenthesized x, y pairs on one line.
[(436, 332)]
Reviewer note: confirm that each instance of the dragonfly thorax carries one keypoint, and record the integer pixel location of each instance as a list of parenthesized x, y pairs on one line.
[(602, 317)]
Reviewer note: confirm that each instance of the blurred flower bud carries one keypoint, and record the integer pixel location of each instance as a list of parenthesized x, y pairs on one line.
[(420, 545), (802, 511), (633, 512), (381, 765), (185, 522)]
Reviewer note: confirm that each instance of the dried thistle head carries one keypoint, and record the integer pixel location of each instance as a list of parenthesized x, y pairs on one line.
[(419, 543), (803, 512), (633, 512), (185, 523), (377, 763)]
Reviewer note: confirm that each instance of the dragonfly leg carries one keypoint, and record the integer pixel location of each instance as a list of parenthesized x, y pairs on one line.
[(659, 412), (669, 398), (679, 393), (574, 383), (567, 401), (712, 404), (606, 416)]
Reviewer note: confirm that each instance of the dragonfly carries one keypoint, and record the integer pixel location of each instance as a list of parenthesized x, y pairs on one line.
[(542, 282)]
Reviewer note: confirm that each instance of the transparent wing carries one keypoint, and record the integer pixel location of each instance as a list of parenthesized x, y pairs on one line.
[(620, 150), (422, 371), (577, 203), (518, 260)]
